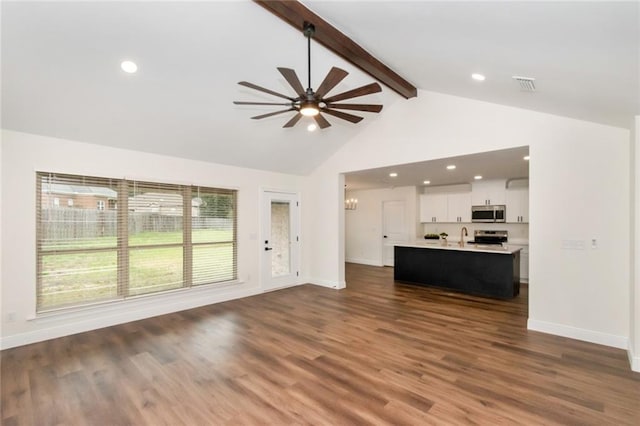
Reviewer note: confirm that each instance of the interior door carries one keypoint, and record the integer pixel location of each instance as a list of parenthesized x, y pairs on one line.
[(280, 238), (394, 229)]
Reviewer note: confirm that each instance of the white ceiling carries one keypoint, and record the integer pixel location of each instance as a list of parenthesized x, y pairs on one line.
[(61, 76)]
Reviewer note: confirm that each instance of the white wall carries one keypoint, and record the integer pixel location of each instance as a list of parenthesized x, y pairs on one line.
[(1, 247), (24, 154), (363, 226), (634, 299), (579, 190)]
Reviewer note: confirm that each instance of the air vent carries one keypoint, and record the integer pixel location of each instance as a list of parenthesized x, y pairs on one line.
[(527, 84)]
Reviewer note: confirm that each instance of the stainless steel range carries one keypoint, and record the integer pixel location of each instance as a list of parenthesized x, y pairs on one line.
[(481, 236)]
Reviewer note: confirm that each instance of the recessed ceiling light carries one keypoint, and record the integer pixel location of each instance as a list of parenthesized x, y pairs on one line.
[(393, 174), (129, 67), (526, 158), (478, 77), (311, 127), (478, 177), (451, 167), (427, 182)]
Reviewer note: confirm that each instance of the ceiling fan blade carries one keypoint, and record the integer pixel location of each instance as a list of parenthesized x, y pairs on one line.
[(357, 107), (261, 103), (335, 76), (258, 117), (262, 89), (293, 120), (360, 91), (293, 80), (349, 117), (322, 122)]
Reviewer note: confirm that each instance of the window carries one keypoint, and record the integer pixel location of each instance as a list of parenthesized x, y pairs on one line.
[(161, 237)]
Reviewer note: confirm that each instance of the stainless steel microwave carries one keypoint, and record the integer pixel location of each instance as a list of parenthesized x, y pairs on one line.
[(489, 214)]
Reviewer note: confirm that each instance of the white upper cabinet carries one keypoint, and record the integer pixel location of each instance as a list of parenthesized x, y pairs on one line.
[(445, 207), (489, 192), (459, 207), (433, 208), (518, 205)]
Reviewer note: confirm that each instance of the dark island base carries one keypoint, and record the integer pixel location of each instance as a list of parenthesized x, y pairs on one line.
[(494, 275)]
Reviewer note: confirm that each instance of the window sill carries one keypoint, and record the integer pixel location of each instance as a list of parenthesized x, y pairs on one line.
[(116, 305)]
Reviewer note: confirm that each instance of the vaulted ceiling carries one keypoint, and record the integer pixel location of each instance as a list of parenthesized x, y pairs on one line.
[(61, 75)]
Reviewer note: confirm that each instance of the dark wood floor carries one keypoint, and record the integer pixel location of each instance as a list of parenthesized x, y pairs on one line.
[(378, 352)]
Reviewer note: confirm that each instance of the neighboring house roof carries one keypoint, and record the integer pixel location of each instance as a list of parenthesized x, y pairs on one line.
[(58, 188), (159, 199)]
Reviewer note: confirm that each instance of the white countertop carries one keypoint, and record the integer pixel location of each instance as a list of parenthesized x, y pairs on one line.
[(435, 244)]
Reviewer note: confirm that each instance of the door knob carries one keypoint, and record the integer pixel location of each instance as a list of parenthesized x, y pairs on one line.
[(268, 248), (384, 236)]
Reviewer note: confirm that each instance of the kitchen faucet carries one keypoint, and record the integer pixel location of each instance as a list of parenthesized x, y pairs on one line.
[(463, 233)]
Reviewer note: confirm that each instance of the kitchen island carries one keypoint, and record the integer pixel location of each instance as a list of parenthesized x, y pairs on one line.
[(492, 271)]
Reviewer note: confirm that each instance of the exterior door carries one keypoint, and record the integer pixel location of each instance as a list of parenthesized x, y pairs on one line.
[(280, 240), (394, 229)]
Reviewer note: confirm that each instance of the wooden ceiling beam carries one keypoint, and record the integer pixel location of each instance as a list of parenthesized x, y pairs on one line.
[(296, 14)]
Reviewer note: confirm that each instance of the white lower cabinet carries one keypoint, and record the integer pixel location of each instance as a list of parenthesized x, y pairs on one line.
[(524, 261)]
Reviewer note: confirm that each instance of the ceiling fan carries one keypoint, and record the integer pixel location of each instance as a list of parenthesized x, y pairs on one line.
[(312, 103)]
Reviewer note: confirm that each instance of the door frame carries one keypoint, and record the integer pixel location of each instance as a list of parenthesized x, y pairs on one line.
[(266, 194)]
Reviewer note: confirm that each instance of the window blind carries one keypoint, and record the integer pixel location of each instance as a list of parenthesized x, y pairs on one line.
[(213, 235), (155, 237), (100, 239), (77, 247)]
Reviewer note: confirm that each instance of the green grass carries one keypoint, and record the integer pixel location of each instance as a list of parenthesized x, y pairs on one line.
[(74, 278), (140, 239)]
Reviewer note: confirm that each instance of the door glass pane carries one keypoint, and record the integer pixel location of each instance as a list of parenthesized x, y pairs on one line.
[(280, 238)]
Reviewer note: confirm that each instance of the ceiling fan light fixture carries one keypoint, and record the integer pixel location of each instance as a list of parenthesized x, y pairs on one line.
[(309, 110)]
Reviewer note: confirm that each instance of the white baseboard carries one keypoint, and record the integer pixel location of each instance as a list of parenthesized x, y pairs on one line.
[(620, 342), (634, 360), (364, 261), (267, 290), (62, 324), (328, 283)]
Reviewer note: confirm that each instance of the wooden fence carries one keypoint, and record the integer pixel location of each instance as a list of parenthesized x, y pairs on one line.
[(70, 223)]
